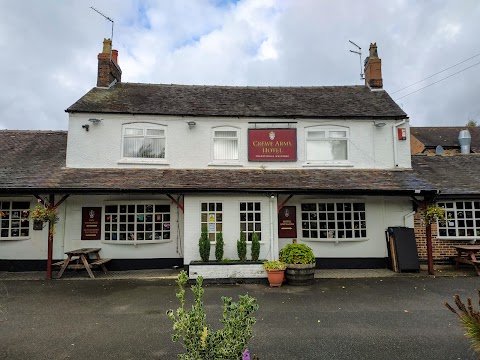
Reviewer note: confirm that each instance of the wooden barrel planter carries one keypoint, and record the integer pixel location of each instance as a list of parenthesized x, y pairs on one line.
[(300, 274)]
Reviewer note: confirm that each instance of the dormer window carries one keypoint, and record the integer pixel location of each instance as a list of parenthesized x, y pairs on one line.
[(327, 144), (144, 141), (225, 144)]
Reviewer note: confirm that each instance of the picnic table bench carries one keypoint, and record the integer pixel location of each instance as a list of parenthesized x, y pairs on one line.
[(467, 254), (85, 258)]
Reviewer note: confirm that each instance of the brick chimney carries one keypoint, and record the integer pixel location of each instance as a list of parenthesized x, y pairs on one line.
[(373, 69), (108, 69)]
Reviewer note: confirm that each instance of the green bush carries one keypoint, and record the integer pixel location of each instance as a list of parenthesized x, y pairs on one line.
[(297, 254), (242, 247), (190, 327), (255, 247), (219, 244), (204, 244), (274, 265)]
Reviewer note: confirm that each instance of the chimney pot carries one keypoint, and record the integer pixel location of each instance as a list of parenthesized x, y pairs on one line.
[(115, 55), (107, 46)]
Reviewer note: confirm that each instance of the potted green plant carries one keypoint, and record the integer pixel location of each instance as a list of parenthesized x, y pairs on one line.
[(300, 262), (275, 271)]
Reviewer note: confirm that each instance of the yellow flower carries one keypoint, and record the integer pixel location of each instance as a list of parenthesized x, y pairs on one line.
[(204, 337)]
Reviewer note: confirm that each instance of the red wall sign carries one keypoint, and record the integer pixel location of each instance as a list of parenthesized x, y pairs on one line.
[(91, 223), (287, 222), (272, 144)]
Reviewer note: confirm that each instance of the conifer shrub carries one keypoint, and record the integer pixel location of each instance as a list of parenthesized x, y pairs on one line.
[(242, 247), (204, 244), (255, 247), (219, 244)]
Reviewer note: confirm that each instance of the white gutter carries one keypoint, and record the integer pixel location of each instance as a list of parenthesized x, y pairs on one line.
[(272, 244), (395, 139)]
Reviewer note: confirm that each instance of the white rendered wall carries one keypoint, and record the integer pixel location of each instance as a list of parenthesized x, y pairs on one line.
[(381, 213), (101, 147), (231, 225), (36, 246), (121, 249)]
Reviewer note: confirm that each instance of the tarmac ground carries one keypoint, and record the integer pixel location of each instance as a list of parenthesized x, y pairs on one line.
[(381, 317)]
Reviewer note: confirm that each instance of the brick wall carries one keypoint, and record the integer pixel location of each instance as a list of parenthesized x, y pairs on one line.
[(442, 250)]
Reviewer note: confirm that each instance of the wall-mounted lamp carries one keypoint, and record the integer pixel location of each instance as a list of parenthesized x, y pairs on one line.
[(86, 127), (191, 124), (379, 124), (94, 121)]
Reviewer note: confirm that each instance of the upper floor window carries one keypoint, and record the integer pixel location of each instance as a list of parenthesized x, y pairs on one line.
[(144, 141), (462, 219), (225, 144), (327, 143)]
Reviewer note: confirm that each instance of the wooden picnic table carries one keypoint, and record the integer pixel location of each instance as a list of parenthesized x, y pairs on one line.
[(85, 258), (467, 254)]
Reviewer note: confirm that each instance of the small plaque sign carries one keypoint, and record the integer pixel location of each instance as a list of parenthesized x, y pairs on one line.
[(91, 223), (287, 222)]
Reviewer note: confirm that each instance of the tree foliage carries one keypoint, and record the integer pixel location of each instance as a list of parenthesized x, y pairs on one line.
[(242, 247), (199, 341), (219, 244), (255, 247)]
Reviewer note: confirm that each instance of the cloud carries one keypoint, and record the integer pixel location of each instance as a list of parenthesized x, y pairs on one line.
[(49, 50)]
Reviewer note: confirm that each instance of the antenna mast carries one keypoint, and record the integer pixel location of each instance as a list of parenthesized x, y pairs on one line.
[(109, 19), (359, 52)]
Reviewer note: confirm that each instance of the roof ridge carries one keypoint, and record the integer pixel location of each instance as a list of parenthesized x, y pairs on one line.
[(244, 86)]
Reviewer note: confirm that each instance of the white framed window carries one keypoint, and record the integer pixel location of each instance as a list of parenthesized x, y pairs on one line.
[(225, 144), (211, 218), (333, 220), (137, 222), (251, 219), (462, 219), (326, 144), (14, 223), (144, 141)]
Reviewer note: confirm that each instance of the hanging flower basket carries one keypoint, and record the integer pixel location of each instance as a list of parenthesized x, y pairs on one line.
[(44, 214)]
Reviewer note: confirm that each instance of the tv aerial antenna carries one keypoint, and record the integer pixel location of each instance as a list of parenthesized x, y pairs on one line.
[(359, 52), (107, 18)]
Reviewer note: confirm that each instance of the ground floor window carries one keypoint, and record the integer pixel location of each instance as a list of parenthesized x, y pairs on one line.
[(211, 218), (251, 219), (462, 219), (137, 222), (328, 220), (14, 219)]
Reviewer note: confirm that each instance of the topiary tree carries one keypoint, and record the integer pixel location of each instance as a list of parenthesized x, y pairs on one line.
[(242, 247), (255, 247), (219, 244), (204, 244)]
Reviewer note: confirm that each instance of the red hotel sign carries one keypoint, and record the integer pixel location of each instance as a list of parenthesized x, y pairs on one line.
[(91, 223), (272, 144)]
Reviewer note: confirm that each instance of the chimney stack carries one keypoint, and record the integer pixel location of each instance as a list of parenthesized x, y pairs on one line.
[(373, 69), (108, 69)]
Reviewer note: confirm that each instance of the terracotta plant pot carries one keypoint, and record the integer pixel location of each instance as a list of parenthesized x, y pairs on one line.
[(275, 277)]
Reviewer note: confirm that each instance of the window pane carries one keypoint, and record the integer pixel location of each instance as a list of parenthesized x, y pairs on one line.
[(155, 132), (133, 131), (316, 134), (226, 134), (337, 134), (326, 150), (225, 149), (144, 148)]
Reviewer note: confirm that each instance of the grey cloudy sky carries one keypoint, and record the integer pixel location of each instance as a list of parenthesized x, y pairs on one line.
[(48, 50)]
